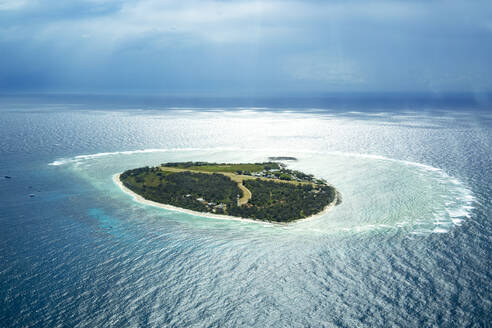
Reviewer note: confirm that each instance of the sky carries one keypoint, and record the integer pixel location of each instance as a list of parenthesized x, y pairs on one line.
[(245, 47)]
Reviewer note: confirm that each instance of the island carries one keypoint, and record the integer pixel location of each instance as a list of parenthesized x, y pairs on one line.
[(266, 191), (282, 158)]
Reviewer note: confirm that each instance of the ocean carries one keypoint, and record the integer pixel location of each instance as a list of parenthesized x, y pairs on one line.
[(410, 246)]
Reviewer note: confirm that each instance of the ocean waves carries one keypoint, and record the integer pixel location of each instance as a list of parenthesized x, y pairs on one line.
[(409, 245), (380, 193)]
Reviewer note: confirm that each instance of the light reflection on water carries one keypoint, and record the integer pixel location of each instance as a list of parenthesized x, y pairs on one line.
[(378, 192), (399, 251)]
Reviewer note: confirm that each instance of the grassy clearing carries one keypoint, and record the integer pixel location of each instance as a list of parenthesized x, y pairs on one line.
[(234, 177), (238, 178), (231, 168), (230, 193)]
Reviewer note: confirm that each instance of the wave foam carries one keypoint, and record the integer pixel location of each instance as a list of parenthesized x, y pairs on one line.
[(454, 212)]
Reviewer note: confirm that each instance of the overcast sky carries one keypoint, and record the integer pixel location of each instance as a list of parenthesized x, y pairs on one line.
[(240, 46)]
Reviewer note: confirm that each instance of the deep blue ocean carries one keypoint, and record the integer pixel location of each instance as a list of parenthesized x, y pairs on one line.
[(410, 246)]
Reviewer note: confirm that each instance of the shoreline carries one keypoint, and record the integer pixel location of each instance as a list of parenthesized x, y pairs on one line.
[(139, 199)]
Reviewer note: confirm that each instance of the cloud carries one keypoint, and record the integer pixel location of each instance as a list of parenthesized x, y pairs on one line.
[(293, 44), (324, 68), (13, 4), (210, 20)]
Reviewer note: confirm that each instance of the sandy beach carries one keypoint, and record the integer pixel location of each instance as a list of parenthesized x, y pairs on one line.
[(140, 199)]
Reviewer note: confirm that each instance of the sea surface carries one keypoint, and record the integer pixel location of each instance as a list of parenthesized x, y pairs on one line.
[(410, 246)]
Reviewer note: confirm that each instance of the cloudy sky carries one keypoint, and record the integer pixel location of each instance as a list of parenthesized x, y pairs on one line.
[(242, 46)]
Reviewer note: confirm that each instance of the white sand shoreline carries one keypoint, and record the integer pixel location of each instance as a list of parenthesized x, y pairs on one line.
[(140, 199)]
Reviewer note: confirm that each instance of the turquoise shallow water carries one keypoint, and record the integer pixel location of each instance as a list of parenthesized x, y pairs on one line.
[(378, 192), (409, 246)]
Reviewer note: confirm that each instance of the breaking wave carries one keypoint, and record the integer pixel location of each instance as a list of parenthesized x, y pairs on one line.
[(379, 193)]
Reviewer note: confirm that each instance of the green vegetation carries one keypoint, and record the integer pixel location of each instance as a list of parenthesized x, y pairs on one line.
[(223, 167), (189, 190), (271, 170), (261, 191), (283, 202)]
